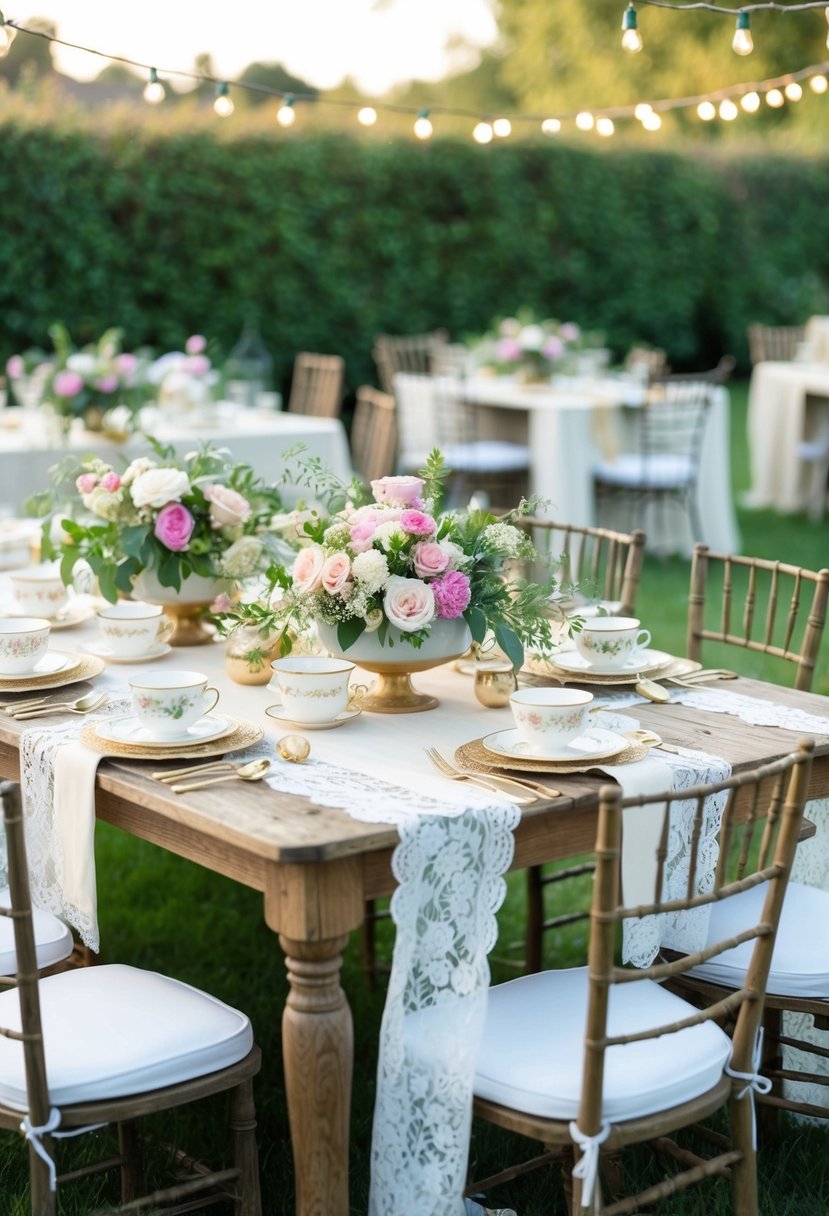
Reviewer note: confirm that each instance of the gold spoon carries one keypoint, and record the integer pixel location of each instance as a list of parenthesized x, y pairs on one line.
[(83, 705), (254, 771), (651, 690)]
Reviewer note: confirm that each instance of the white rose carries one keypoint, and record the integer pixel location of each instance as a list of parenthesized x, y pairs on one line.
[(157, 487), (531, 337), (242, 558), (83, 364), (409, 603), (135, 468), (227, 507), (456, 555)]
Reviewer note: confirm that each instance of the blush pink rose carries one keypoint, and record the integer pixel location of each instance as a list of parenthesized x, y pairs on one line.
[(227, 507), (110, 481), (362, 536), (335, 572), (195, 344), (126, 364), (408, 603), (107, 384), (86, 483), (196, 365), (418, 523), (399, 491), (429, 559), (15, 367), (307, 570), (67, 384), (452, 594), (174, 526)]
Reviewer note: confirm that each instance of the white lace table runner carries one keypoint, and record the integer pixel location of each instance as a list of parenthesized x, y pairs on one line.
[(752, 710)]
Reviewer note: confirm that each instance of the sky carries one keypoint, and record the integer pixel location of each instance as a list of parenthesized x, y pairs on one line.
[(376, 42)]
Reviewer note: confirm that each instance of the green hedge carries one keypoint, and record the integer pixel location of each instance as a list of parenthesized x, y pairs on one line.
[(328, 240)]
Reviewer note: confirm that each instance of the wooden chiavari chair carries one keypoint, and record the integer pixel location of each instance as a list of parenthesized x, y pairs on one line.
[(412, 354), (317, 385), (774, 342), (373, 434)]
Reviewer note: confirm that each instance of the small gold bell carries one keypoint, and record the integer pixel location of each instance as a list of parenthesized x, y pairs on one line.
[(294, 748)]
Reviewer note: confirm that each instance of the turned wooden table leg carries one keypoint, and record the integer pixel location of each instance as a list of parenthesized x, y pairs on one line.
[(318, 1049)]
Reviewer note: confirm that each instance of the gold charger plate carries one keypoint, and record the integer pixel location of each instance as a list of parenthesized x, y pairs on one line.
[(85, 667), (540, 665), (244, 734), (474, 755)]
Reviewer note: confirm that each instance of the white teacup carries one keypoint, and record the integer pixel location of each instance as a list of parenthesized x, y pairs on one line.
[(609, 642), (131, 628), (312, 688), (168, 702), (24, 641), (39, 590), (549, 718)]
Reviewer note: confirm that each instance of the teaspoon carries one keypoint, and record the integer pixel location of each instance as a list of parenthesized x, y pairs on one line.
[(254, 771)]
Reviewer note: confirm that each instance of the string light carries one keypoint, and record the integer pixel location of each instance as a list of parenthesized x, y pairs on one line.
[(605, 126), (286, 114), (423, 126), (631, 38), (775, 99), (728, 110), (818, 84), (154, 89), (502, 128), (367, 116), (652, 121), (7, 36), (793, 91), (585, 121), (742, 43), (707, 110), (482, 132), (551, 126), (223, 105)]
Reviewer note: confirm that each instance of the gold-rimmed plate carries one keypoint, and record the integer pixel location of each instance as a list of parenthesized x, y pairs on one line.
[(475, 756), (243, 734), (80, 667)]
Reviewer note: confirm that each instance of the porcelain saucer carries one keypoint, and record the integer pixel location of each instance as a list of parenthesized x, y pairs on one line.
[(346, 716), (646, 662), (594, 744), (51, 663), (128, 729), (104, 652)]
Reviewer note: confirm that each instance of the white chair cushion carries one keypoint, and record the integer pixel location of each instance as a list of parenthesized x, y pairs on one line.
[(113, 1031), (532, 1054), (53, 941), (800, 963), (487, 456), (659, 471)]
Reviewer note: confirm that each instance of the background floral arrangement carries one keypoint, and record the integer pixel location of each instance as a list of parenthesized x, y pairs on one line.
[(538, 347), (397, 562), (203, 515)]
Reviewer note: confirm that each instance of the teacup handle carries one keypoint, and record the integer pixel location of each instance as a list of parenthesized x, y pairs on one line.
[(356, 694), (643, 639), (216, 694), (166, 625)]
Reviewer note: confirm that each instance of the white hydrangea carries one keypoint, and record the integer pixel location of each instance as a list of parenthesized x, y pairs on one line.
[(371, 569), (106, 504), (136, 467), (243, 558), (385, 533), (504, 538)]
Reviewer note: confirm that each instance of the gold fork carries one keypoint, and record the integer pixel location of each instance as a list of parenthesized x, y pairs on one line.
[(483, 780)]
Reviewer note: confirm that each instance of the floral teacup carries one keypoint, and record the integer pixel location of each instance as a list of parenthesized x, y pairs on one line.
[(549, 718), (23, 643), (130, 628), (171, 701), (609, 642), (313, 689), (39, 590)]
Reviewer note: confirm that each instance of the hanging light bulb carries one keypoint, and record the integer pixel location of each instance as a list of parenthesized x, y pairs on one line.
[(367, 116), (750, 102), (706, 111), (223, 105), (154, 89), (423, 126), (652, 121), (585, 121), (551, 126), (642, 109), (286, 114), (482, 132), (7, 36), (742, 42), (775, 99), (604, 126), (728, 110), (631, 38), (818, 84), (502, 127), (793, 91)]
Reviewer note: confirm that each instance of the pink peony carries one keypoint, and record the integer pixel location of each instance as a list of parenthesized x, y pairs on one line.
[(418, 523), (307, 571), (126, 364), (569, 331), (110, 481), (196, 365), (508, 350), (174, 526), (398, 491), (429, 559), (107, 384), (335, 572), (195, 344), (227, 507), (553, 347), (67, 384), (452, 594), (86, 483), (362, 536), (409, 603), (15, 367)]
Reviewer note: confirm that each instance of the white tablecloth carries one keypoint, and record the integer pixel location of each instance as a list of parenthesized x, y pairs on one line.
[(778, 419), (572, 428), (26, 455)]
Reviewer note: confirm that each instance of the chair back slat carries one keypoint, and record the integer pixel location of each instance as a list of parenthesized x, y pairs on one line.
[(774, 342), (696, 833), (413, 353), (317, 385), (606, 564), (373, 434)]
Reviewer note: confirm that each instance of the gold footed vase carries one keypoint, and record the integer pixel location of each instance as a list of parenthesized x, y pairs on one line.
[(393, 691), (186, 608)]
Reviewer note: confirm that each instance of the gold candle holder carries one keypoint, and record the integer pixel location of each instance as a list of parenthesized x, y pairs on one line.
[(495, 681)]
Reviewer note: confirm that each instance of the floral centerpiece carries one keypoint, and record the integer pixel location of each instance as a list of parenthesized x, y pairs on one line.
[(533, 349), (184, 381), (162, 521)]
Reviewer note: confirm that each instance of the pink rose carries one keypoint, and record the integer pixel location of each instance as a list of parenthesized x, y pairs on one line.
[(67, 384), (335, 573), (418, 523), (569, 331), (195, 344), (429, 559), (508, 350), (362, 536), (408, 603), (196, 365), (107, 384), (126, 364), (86, 483), (452, 594), (110, 481), (307, 571), (174, 526), (222, 603), (401, 491), (553, 347), (15, 367), (227, 507)]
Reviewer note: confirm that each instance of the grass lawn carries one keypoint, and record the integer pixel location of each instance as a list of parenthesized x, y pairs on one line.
[(159, 912)]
